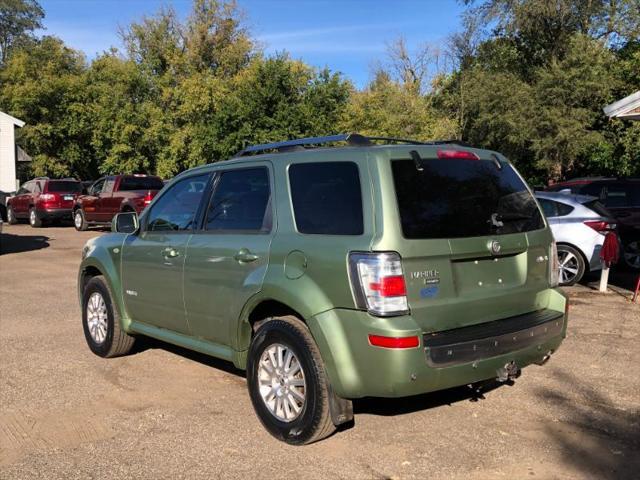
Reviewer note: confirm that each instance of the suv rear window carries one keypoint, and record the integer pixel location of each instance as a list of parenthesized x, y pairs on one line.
[(63, 186), (140, 183), (462, 198), (327, 198)]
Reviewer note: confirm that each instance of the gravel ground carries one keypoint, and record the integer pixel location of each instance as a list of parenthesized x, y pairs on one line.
[(167, 413)]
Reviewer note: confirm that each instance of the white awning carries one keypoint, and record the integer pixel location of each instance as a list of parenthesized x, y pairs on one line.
[(627, 108)]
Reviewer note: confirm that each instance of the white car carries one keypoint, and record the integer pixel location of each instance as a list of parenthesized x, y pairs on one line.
[(579, 224)]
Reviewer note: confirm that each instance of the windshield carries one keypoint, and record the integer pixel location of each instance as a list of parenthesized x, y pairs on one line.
[(141, 183), (64, 186), (451, 198)]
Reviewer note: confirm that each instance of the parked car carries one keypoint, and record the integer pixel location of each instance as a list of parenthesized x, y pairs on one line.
[(113, 194), (621, 196), (335, 273), (42, 200), (579, 224)]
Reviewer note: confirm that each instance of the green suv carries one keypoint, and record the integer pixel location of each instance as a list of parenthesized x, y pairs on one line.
[(382, 268)]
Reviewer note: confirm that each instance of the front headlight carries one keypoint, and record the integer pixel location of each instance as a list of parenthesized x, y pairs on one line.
[(554, 267)]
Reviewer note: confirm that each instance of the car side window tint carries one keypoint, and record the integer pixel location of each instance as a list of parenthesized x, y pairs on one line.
[(327, 198), (594, 190), (176, 209), (617, 196), (108, 185), (241, 202), (563, 209), (96, 188), (548, 207)]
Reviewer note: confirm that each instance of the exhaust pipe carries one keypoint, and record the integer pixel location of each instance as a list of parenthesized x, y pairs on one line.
[(545, 358)]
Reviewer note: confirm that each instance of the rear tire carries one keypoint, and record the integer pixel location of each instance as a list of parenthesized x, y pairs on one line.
[(572, 265), (34, 220), (631, 254), (11, 217), (101, 321), (276, 390), (78, 220)]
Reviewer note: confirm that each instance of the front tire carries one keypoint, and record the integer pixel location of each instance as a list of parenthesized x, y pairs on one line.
[(101, 321), (11, 217), (79, 221), (287, 382), (571, 264), (34, 220)]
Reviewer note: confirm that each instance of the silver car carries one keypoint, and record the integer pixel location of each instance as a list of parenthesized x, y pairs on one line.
[(579, 224)]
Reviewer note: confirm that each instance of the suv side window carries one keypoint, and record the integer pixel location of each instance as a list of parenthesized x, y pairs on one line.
[(108, 184), (327, 198), (240, 202), (176, 209), (617, 196)]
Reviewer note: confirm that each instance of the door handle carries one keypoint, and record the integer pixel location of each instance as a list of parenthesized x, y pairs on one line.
[(170, 252), (244, 255)]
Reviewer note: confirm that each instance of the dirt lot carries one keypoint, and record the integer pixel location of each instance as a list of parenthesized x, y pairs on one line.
[(167, 413)]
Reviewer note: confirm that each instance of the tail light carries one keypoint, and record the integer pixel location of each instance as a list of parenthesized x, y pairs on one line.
[(147, 198), (554, 266), (47, 197), (457, 155), (600, 226), (378, 283)]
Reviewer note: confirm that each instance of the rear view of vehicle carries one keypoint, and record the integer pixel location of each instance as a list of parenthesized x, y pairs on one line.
[(579, 224), (44, 200), (463, 268)]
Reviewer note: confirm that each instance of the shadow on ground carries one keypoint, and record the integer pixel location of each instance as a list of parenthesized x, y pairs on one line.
[(593, 435), (147, 343), (10, 243)]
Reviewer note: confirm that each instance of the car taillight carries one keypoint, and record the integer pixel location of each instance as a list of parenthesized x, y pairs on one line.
[(457, 155), (147, 198), (600, 226), (554, 266), (378, 283), (394, 342), (47, 197)]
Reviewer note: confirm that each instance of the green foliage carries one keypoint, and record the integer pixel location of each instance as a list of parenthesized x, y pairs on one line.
[(18, 19), (530, 80)]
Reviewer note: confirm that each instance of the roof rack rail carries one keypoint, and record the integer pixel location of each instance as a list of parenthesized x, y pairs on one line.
[(41, 178), (353, 139)]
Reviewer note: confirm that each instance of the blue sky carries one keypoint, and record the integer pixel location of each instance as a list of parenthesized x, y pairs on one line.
[(347, 36)]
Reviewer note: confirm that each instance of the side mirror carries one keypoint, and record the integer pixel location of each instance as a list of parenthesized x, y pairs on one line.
[(126, 222)]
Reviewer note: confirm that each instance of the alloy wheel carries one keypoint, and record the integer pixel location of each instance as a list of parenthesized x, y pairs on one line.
[(568, 266), (97, 317), (32, 217), (282, 382), (77, 219)]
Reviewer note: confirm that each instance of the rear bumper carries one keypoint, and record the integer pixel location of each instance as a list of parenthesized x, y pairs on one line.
[(451, 358), (54, 213)]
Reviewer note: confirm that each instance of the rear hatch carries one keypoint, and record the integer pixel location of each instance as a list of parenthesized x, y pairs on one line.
[(60, 194), (140, 188), (474, 247)]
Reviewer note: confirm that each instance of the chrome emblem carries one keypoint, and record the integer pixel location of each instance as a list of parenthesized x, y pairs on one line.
[(495, 247)]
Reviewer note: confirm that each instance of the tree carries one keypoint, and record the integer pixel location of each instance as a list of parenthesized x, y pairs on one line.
[(18, 19)]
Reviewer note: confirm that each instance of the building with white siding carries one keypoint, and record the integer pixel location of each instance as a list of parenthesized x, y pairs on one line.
[(626, 109), (8, 152)]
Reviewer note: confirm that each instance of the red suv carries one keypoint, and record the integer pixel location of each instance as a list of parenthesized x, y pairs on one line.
[(114, 194), (43, 199), (621, 196)]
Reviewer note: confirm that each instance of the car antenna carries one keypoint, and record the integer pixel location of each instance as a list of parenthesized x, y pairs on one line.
[(417, 159)]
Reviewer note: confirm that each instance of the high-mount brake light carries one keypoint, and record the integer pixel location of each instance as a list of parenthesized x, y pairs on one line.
[(457, 155), (394, 342), (378, 283)]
